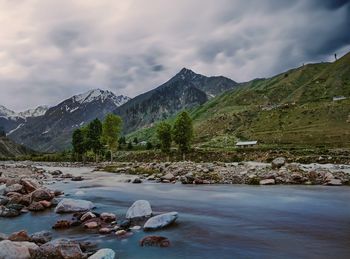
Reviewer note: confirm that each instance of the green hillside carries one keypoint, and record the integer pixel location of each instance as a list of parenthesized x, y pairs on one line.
[(294, 108)]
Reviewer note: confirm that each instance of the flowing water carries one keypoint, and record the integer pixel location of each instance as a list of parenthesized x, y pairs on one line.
[(215, 221)]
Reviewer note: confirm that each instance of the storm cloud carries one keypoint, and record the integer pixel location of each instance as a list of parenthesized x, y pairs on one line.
[(50, 50)]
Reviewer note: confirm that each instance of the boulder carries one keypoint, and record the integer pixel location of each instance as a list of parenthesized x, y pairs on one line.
[(41, 237), (137, 180), (77, 178), (41, 195), (91, 225), (278, 162), (46, 204), (169, 176), (108, 217), (334, 182), (13, 250), (155, 241), (120, 232), (14, 188), (60, 249), (36, 206), (2, 189), (160, 221), (139, 209), (4, 200), (8, 213), (29, 185), (62, 224), (19, 236), (104, 231), (105, 253), (72, 205), (267, 182), (88, 215)]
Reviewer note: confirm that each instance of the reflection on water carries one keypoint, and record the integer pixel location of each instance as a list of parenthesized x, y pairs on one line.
[(226, 221)]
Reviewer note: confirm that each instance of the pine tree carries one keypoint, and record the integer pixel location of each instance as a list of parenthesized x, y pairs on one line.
[(183, 132), (164, 136), (111, 128), (94, 133), (78, 142)]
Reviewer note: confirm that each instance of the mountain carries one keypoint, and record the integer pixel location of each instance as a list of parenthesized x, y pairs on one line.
[(52, 131), (185, 90), (10, 120), (9, 149), (295, 108)]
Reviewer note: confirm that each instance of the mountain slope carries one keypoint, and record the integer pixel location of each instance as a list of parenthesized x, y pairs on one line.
[(295, 108), (9, 149), (53, 130), (185, 90)]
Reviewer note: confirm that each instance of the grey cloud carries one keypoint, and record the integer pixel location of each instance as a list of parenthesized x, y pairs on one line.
[(54, 49)]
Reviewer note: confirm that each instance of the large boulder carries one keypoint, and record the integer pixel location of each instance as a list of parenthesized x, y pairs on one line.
[(278, 162), (14, 250), (155, 241), (42, 195), (105, 253), (60, 249), (72, 205), (139, 209), (160, 221)]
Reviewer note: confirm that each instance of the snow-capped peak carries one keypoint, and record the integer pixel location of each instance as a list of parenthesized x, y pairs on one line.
[(102, 95), (38, 111), (4, 112)]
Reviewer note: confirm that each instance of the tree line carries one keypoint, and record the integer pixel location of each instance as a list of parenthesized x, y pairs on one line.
[(103, 138)]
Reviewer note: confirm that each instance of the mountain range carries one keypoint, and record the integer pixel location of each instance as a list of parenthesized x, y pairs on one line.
[(295, 107)]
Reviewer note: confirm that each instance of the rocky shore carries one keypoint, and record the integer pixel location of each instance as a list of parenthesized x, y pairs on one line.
[(23, 190), (277, 172)]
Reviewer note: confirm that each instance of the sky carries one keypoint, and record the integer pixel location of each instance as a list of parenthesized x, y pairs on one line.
[(53, 49)]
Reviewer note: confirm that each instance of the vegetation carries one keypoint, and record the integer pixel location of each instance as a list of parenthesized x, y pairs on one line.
[(183, 132), (164, 136), (110, 132)]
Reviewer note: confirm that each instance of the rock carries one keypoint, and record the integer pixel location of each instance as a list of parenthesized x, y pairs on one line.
[(297, 178), (71, 205), (108, 217), (36, 206), (137, 180), (29, 185), (41, 237), (3, 200), (278, 162), (328, 176), (125, 224), (13, 250), (105, 231), (139, 209), (155, 241), (105, 253), (77, 178), (135, 228), (2, 189), (58, 193), (60, 249), (41, 195), (88, 215), (56, 172), (267, 182), (14, 188), (46, 204), (91, 225), (334, 182), (169, 176), (26, 200), (8, 213), (120, 232), (161, 221), (17, 207), (19, 236), (62, 224)]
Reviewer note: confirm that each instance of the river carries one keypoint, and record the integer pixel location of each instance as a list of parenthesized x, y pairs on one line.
[(215, 221)]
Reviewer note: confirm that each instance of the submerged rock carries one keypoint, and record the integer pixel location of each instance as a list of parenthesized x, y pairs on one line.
[(139, 209), (71, 205), (105, 253), (160, 221), (155, 241)]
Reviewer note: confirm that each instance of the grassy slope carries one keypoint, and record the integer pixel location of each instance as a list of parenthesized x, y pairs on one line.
[(10, 149), (301, 113)]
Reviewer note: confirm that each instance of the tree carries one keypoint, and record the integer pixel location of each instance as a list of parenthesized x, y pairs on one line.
[(136, 141), (129, 147), (149, 145), (111, 128), (183, 132), (164, 137), (94, 133), (78, 142)]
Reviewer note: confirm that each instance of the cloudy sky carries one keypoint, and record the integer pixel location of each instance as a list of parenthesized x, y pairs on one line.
[(52, 49)]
